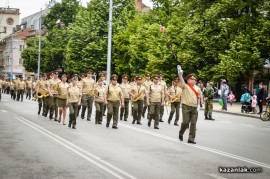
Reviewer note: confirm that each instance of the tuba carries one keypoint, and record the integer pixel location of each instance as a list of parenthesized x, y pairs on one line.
[(42, 93)]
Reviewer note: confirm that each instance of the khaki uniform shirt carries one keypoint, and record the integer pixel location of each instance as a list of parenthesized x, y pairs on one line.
[(156, 92), (125, 89), (175, 91), (29, 84), (63, 90), (99, 92), (138, 90), (41, 85), (188, 96), (12, 85), (16, 83), (147, 84), (114, 93), (21, 85), (88, 86), (53, 84), (74, 94), (163, 84)]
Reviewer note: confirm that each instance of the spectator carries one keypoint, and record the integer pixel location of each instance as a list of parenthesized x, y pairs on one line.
[(224, 94), (231, 97), (260, 97), (254, 102)]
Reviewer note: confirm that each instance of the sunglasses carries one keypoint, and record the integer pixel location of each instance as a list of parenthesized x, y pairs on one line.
[(114, 79), (193, 79)]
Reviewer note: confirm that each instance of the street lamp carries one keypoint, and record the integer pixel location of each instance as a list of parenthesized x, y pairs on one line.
[(39, 43), (109, 53)]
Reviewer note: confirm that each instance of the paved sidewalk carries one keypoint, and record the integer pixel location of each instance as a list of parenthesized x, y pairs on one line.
[(235, 109)]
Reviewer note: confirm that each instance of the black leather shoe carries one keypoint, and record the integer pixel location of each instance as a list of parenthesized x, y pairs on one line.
[(114, 127), (88, 119), (149, 124), (161, 120), (191, 142), (133, 122), (121, 119), (180, 138), (69, 125), (107, 125), (73, 127), (169, 122), (211, 119), (156, 128), (82, 117), (176, 124), (139, 123), (125, 119)]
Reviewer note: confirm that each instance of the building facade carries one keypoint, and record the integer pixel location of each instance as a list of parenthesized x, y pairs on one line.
[(9, 19)]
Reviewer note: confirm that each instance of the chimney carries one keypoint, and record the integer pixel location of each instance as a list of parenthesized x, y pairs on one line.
[(18, 27)]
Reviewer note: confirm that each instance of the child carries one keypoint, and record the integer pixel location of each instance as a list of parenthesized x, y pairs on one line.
[(231, 97), (254, 103)]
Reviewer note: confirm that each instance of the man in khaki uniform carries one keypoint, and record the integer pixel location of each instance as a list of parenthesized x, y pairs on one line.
[(29, 85), (53, 90), (113, 97), (20, 89), (174, 93), (125, 89), (88, 85), (137, 94), (147, 84), (17, 79), (79, 84), (156, 95), (164, 87), (190, 101), (42, 101)]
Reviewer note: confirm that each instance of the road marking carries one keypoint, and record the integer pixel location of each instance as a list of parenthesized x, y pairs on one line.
[(215, 176), (247, 125), (199, 147), (3, 111), (79, 151)]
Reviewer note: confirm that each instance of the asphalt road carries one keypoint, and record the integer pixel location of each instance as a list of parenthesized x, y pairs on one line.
[(32, 146)]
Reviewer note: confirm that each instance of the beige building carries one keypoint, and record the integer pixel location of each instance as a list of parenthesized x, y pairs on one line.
[(140, 6), (9, 19)]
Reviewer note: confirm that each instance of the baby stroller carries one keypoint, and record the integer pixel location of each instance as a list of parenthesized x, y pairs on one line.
[(246, 103)]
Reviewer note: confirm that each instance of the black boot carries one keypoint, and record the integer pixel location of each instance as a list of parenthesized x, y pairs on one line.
[(73, 126), (210, 118), (206, 116), (69, 124), (39, 109)]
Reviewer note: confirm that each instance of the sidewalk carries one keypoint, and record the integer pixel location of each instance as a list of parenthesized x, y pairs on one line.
[(235, 109)]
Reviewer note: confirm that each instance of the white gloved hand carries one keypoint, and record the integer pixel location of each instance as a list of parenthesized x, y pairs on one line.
[(179, 70)]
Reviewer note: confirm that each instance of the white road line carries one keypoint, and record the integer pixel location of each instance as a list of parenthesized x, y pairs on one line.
[(3, 111), (215, 176), (199, 147), (79, 151)]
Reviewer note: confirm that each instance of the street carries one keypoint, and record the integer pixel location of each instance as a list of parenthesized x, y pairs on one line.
[(32, 146)]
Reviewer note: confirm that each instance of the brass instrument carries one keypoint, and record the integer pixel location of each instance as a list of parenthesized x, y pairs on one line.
[(138, 96), (91, 92), (42, 93), (175, 98)]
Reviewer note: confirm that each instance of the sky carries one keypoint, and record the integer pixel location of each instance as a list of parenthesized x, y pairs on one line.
[(28, 7)]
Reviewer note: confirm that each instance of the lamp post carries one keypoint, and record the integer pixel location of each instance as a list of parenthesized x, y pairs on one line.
[(39, 43), (109, 53)]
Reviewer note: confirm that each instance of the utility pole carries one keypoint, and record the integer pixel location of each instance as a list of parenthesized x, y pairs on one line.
[(39, 43), (109, 54)]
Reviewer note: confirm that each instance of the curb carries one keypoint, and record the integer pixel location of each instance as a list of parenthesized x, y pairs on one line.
[(238, 114)]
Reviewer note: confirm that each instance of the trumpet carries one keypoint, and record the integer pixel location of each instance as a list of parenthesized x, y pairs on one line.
[(175, 98), (138, 96)]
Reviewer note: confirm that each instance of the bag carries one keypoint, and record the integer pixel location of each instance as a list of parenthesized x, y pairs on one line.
[(220, 102)]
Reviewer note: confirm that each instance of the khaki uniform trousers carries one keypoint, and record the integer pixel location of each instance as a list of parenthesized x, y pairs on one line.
[(190, 115)]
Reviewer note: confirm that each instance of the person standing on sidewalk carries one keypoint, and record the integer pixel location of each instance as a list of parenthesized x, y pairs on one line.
[(190, 101), (208, 94), (254, 103), (260, 97), (231, 98), (224, 94)]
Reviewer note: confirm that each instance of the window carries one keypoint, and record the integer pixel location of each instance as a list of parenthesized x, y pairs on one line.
[(20, 61), (21, 47), (8, 61)]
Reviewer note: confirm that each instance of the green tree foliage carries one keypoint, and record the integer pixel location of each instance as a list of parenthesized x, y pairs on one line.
[(30, 55)]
